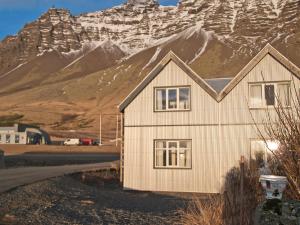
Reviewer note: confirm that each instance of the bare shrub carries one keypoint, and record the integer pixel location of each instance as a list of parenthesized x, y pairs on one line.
[(228, 208), (284, 128), (236, 205)]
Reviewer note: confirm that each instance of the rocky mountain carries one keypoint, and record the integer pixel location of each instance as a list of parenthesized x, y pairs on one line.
[(91, 61)]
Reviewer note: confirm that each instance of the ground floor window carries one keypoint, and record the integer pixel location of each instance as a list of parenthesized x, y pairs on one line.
[(17, 138), (7, 137), (172, 153), (260, 150)]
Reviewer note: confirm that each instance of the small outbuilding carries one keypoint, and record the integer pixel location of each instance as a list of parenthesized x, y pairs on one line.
[(23, 134)]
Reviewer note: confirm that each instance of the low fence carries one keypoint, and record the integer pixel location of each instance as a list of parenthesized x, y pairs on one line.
[(2, 164), (21, 149)]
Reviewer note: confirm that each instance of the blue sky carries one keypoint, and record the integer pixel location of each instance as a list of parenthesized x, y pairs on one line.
[(14, 14)]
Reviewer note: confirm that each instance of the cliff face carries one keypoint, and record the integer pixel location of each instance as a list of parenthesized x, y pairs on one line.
[(138, 24)]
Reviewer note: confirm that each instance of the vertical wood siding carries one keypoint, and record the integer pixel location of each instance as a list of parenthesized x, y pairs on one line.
[(220, 132)]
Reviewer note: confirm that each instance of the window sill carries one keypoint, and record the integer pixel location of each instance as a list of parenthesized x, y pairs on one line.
[(181, 168), (173, 110)]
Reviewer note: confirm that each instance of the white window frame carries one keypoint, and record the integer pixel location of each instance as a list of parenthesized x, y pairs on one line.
[(189, 151), (167, 99), (263, 84)]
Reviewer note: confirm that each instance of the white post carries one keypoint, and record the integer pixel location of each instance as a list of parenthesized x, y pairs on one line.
[(117, 131), (2, 164), (100, 129), (121, 150)]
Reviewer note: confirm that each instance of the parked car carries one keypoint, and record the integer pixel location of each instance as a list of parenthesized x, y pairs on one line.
[(86, 141), (72, 141), (96, 142)]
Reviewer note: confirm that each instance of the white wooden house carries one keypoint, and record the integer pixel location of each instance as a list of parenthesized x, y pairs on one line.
[(183, 133)]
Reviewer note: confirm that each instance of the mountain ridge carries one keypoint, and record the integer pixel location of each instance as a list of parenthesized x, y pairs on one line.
[(88, 63)]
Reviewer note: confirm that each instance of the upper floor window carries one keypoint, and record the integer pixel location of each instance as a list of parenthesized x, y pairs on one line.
[(172, 98), (262, 95)]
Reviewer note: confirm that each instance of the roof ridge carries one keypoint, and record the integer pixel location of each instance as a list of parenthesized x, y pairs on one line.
[(218, 96)]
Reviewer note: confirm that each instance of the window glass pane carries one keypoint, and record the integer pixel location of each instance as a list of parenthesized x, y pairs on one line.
[(172, 153), (269, 94), (8, 138), (172, 95), (256, 95), (172, 144), (258, 151), (183, 144), (161, 157), (17, 139), (284, 94), (184, 98), (161, 144), (182, 158), (185, 154), (189, 157), (172, 157), (161, 99)]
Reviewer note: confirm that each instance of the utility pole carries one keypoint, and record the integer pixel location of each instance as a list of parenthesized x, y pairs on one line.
[(117, 131), (100, 129), (121, 151), (242, 170)]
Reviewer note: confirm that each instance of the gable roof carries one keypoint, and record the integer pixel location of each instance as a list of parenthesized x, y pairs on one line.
[(268, 49), (210, 87), (157, 69)]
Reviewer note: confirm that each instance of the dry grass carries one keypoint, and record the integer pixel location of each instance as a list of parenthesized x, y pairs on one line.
[(204, 212), (231, 208)]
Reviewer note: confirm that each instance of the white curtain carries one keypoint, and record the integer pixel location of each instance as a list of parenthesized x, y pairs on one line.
[(159, 97), (256, 95), (283, 94), (159, 153)]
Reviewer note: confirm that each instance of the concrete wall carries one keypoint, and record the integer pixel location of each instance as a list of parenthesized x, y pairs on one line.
[(22, 137)]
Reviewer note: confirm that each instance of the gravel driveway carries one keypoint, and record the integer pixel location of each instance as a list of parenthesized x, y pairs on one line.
[(72, 200)]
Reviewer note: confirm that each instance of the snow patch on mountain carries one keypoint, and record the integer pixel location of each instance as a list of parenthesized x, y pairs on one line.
[(153, 59), (14, 69), (207, 37)]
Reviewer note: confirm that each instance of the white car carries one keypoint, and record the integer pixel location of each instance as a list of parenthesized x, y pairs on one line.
[(72, 141)]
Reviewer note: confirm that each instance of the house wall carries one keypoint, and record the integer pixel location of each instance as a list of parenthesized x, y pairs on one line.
[(12, 134), (235, 112), (220, 132)]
